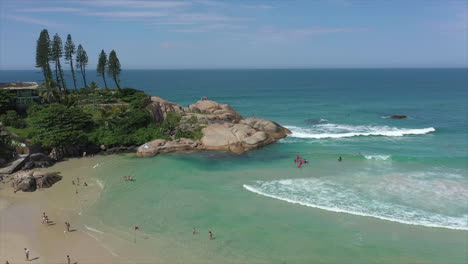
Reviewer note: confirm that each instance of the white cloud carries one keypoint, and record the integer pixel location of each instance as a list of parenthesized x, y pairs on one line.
[(127, 14), (209, 28), (136, 3), (35, 21), (50, 9), (258, 6)]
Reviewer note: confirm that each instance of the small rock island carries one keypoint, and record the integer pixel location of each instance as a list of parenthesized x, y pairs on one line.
[(221, 128)]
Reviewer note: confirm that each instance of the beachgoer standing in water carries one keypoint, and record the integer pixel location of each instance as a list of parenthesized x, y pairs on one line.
[(194, 231), (340, 159), (26, 252), (211, 235)]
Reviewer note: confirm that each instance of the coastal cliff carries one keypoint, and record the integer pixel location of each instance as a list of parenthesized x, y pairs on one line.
[(222, 128)]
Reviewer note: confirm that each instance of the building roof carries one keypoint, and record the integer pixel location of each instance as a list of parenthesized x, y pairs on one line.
[(19, 85)]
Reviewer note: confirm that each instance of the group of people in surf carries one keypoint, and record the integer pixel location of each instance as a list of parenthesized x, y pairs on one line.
[(300, 161), (128, 178)]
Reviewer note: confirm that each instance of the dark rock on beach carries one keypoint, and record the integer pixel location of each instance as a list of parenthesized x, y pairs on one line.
[(29, 181), (37, 160)]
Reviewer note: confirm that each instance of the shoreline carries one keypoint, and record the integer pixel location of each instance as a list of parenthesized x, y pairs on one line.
[(21, 225)]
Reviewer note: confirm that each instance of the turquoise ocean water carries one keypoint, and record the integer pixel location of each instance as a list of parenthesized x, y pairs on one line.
[(403, 199)]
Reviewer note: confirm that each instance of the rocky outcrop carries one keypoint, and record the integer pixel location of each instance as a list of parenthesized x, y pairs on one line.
[(158, 146), (398, 116), (24, 181), (29, 181), (223, 129), (249, 133), (208, 112), (159, 108)]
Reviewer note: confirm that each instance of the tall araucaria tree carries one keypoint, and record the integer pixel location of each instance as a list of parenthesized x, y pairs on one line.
[(56, 52), (101, 66), (82, 62), (43, 55), (113, 67), (69, 51)]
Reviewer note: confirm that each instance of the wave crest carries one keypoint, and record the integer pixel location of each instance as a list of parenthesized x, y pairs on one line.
[(342, 131), (387, 200)]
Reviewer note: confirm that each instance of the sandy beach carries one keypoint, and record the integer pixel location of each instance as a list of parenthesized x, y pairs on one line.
[(21, 222)]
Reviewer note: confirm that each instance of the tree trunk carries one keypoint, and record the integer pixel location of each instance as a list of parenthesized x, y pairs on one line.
[(116, 82), (61, 75), (104, 78), (73, 72), (83, 74), (57, 76)]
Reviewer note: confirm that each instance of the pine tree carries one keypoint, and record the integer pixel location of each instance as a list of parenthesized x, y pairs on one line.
[(69, 51), (82, 62), (55, 55), (114, 67), (101, 66), (43, 55)]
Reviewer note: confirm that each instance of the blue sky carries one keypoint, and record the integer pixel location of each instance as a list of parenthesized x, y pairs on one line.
[(244, 34)]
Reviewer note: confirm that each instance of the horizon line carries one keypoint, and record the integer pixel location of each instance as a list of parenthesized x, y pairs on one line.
[(269, 68)]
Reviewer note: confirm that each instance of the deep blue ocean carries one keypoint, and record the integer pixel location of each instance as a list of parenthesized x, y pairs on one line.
[(413, 171)]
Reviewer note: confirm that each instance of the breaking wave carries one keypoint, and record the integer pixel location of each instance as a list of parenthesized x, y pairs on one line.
[(342, 131), (377, 157), (439, 203)]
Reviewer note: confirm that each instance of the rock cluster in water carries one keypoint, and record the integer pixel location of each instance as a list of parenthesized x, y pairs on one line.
[(223, 128)]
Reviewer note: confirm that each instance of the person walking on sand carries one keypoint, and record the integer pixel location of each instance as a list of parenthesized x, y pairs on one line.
[(26, 252), (68, 259), (211, 235), (44, 218)]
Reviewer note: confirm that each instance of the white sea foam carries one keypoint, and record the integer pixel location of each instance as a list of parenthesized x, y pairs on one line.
[(342, 131), (93, 229), (377, 157), (97, 165), (100, 183), (390, 198)]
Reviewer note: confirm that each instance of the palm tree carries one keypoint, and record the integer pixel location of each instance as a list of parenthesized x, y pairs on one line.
[(50, 94)]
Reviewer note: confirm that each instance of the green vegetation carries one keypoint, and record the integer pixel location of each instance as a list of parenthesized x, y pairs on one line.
[(56, 52), (89, 115), (114, 68), (5, 146), (11, 118), (6, 100), (57, 125), (69, 51), (82, 62), (101, 66), (42, 55)]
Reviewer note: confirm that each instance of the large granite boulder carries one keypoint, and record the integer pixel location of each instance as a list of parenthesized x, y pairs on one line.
[(24, 181), (46, 179), (223, 129), (157, 146), (215, 111), (159, 108), (29, 181), (249, 133)]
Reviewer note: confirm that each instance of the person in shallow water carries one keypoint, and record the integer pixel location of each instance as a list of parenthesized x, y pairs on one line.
[(211, 235), (340, 159), (299, 165)]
